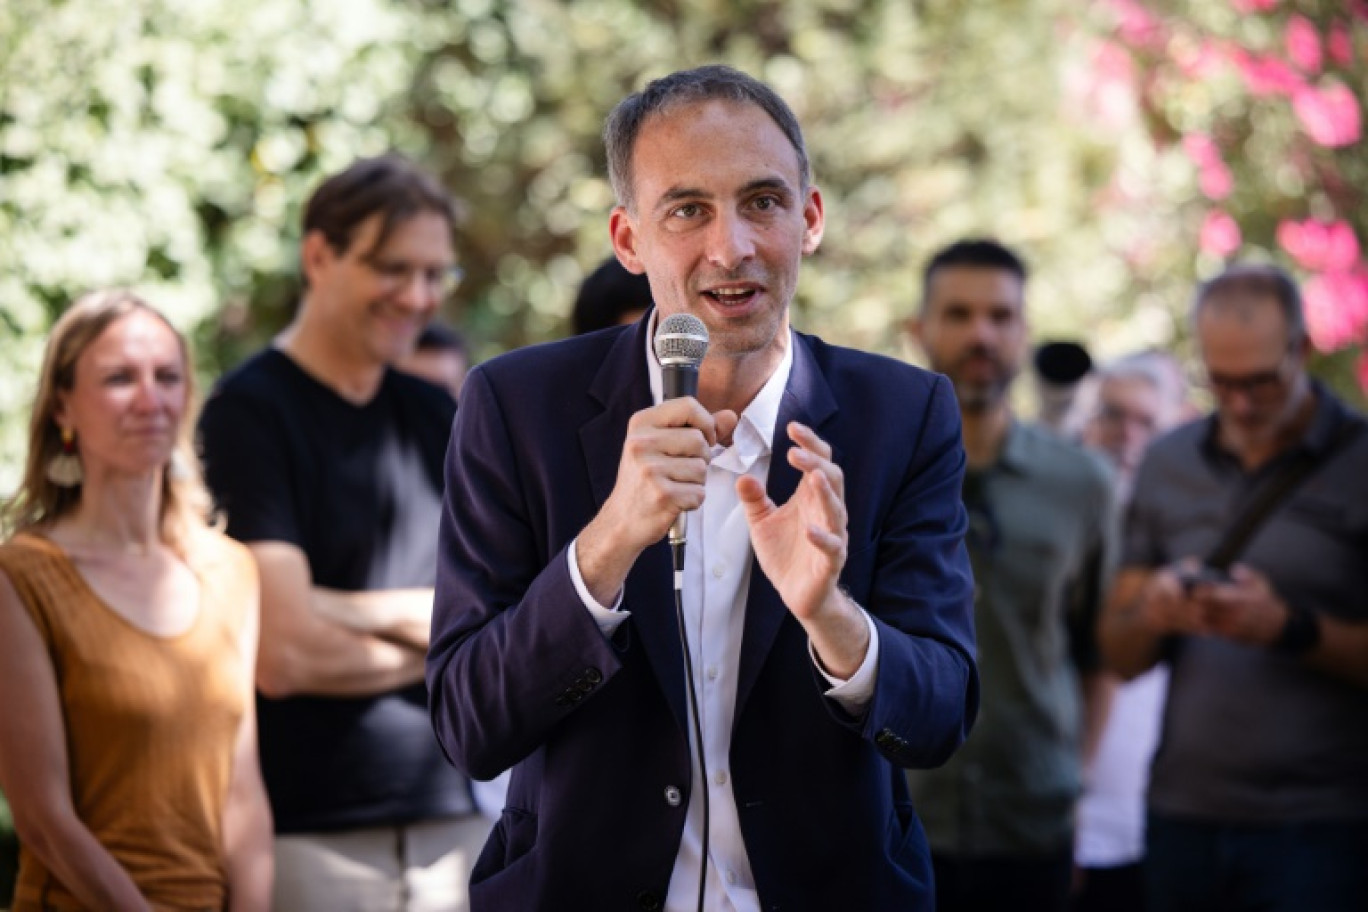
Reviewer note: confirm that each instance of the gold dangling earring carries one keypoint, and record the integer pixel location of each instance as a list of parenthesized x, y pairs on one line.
[(176, 469), (64, 469)]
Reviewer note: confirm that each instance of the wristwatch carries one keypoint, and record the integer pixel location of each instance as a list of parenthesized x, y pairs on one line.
[(1300, 633)]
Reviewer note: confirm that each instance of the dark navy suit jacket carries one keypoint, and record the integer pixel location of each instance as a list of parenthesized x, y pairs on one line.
[(596, 728)]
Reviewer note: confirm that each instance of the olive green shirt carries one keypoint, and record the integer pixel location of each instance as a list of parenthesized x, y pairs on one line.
[(1043, 541)]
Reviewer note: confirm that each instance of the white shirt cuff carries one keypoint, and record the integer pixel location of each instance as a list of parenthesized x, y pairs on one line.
[(854, 694), (608, 619)]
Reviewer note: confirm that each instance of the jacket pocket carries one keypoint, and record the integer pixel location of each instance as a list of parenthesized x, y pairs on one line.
[(514, 836)]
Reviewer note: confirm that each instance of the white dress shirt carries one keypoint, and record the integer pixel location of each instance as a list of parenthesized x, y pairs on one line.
[(717, 570)]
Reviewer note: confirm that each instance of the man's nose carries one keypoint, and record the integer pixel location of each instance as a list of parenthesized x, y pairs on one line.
[(417, 291), (985, 331), (730, 241), (1238, 402)]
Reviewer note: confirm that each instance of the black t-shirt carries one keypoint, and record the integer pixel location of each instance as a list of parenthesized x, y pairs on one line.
[(359, 490)]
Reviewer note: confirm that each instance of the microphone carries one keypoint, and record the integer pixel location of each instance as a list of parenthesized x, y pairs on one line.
[(681, 341)]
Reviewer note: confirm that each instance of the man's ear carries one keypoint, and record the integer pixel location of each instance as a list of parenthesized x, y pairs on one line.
[(622, 231), (814, 216), (912, 325), (315, 253)]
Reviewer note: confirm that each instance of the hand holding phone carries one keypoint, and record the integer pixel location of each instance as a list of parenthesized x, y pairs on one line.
[(1202, 575)]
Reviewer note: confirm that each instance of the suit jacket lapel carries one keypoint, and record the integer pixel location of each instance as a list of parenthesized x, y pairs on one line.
[(808, 399), (622, 387)]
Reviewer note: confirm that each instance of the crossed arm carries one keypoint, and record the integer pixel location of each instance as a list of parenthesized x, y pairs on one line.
[(323, 641)]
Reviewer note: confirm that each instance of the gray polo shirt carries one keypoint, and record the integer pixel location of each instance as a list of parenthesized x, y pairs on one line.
[(1250, 735), (1042, 540)]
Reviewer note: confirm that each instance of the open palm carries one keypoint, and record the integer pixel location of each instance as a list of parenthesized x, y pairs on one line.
[(801, 546)]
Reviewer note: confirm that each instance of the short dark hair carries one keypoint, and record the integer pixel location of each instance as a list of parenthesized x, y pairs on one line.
[(440, 337), (389, 185), (705, 83), (606, 294), (1258, 279), (978, 253)]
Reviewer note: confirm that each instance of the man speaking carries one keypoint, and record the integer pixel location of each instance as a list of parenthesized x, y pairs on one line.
[(825, 593)]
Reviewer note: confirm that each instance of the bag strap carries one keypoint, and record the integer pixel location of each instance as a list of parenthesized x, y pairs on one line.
[(1293, 473)]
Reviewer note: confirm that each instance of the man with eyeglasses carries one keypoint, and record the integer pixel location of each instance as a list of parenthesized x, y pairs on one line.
[(1258, 794), (999, 814), (327, 462)]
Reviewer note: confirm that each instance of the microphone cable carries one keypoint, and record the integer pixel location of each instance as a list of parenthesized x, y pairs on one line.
[(680, 344), (677, 558)]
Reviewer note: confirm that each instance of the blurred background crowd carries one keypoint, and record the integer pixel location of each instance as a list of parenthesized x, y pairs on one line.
[(1127, 147)]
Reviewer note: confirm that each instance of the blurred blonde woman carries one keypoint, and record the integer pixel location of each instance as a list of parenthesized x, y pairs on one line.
[(128, 635)]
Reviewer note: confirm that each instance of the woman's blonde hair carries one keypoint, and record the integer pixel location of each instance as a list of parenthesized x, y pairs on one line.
[(185, 503)]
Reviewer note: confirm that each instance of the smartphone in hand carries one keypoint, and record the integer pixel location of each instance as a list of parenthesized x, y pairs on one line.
[(1203, 575)]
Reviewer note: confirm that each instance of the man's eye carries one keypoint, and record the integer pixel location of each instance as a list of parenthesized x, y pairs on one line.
[(765, 203), (688, 210)]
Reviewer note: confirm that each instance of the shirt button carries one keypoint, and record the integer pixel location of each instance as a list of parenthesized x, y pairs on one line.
[(720, 777), (718, 570), (712, 672), (672, 796)]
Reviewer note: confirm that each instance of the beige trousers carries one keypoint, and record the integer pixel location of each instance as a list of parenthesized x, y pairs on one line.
[(420, 867)]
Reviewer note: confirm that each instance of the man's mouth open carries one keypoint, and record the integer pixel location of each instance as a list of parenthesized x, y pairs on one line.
[(731, 297)]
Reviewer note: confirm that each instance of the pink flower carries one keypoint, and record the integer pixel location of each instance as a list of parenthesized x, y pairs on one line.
[(1113, 63), (1201, 149), (1341, 247), (1253, 6), (1105, 89), (1303, 44), (1220, 235), (1339, 45), (1200, 62), (1266, 75), (1330, 116), (1336, 309), (1320, 246), (1136, 25), (1295, 238), (1213, 177), (1215, 180)]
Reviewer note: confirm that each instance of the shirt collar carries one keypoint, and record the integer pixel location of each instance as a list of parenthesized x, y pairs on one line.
[(754, 433), (1015, 455)]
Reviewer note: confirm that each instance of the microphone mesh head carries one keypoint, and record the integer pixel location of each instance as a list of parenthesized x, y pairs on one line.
[(681, 339)]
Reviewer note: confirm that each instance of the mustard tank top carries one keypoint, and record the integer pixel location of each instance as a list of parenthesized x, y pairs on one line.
[(151, 721)]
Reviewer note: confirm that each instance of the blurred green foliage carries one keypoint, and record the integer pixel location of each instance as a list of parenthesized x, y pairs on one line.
[(169, 144)]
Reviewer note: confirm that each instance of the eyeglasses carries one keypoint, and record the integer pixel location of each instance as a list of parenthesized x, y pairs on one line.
[(1120, 416), (1258, 385), (395, 274)]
